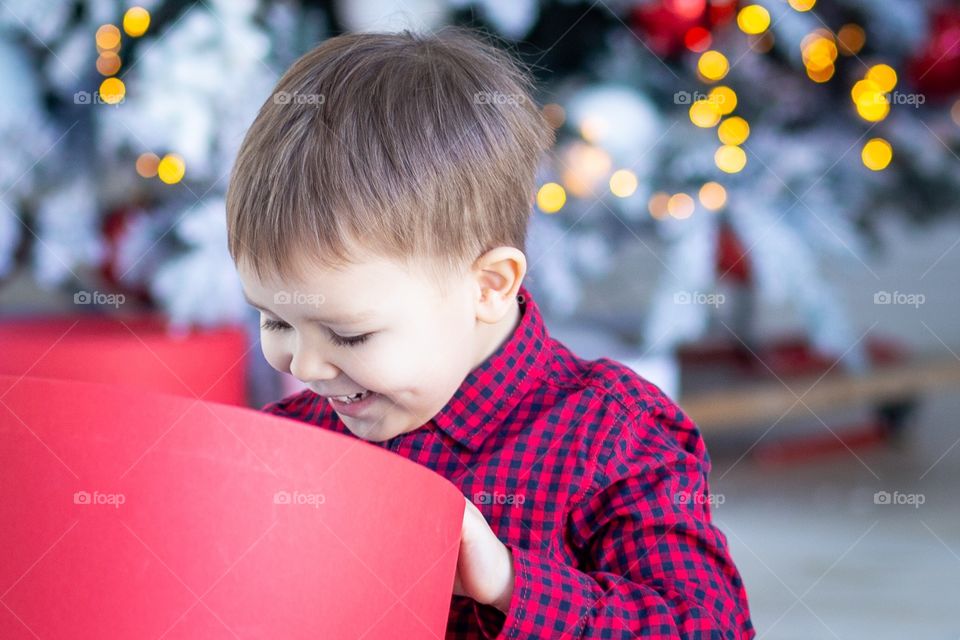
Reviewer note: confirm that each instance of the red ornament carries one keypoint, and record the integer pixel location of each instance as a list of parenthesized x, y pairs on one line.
[(115, 224), (935, 71), (670, 27)]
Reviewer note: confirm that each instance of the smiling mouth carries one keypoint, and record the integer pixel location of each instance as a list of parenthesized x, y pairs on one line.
[(353, 398)]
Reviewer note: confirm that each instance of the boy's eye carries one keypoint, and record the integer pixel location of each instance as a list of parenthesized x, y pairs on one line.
[(274, 325), (352, 341), (343, 341)]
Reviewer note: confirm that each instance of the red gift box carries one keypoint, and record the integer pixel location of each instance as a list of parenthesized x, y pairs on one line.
[(128, 514)]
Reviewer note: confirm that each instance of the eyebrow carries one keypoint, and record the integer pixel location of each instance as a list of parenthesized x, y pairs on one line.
[(343, 319)]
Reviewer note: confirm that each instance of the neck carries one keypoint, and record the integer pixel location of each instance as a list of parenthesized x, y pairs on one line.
[(493, 336)]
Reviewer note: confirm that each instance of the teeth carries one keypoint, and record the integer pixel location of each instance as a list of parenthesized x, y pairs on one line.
[(349, 399)]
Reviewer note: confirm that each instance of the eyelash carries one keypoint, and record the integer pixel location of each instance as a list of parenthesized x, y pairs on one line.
[(353, 341)]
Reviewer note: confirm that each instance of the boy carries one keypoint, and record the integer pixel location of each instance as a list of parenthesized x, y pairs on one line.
[(377, 214)]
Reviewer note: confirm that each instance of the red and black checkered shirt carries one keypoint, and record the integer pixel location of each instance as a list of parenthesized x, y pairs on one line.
[(596, 482)]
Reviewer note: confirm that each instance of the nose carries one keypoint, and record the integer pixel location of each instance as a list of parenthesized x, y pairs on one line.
[(308, 365)]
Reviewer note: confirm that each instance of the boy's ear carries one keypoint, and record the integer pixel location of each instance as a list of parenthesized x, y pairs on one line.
[(499, 274)]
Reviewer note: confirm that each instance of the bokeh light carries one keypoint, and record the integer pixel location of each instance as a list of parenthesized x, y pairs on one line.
[(112, 90), (753, 19), (623, 183), (107, 38), (147, 164), (730, 158), (876, 154), (680, 206), (713, 65), (171, 168), (725, 98), (135, 21), (734, 130), (705, 113), (713, 196), (551, 197)]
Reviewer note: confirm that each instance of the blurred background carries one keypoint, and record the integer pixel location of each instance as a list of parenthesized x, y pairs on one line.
[(756, 205)]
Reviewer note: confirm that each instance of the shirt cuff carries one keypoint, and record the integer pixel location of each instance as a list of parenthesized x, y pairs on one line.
[(547, 596)]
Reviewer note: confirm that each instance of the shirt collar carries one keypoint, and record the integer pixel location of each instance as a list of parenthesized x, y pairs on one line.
[(493, 388)]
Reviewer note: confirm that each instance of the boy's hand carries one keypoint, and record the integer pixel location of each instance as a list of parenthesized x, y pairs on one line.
[(485, 566)]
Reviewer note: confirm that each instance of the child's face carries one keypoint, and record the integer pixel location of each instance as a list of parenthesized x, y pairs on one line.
[(417, 350)]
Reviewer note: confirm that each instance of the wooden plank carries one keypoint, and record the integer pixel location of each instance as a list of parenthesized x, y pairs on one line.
[(750, 405)]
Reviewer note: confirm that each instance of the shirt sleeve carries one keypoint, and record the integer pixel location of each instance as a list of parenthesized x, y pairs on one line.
[(654, 566)]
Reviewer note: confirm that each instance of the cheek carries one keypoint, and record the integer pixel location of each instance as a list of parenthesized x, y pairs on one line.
[(275, 351)]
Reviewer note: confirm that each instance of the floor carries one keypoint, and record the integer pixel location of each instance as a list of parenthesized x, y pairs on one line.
[(822, 559)]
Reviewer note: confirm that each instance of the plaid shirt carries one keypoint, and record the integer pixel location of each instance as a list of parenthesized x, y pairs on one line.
[(596, 482)]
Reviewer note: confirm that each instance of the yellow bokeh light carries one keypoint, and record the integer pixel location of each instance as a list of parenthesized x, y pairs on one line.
[(955, 113), (680, 206), (147, 164), (135, 21), (730, 158), (802, 5), (704, 113), (551, 197), (725, 98), (107, 38), (108, 63), (713, 196), (871, 101), (821, 75), (713, 65), (884, 75), (171, 168), (864, 87), (851, 39), (819, 53), (623, 183), (876, 154), (657, 206), (586, 167), (753, 19), (112, 90), (733, 130)]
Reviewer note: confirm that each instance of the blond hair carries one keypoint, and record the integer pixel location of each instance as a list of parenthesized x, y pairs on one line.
[(408, 146)]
